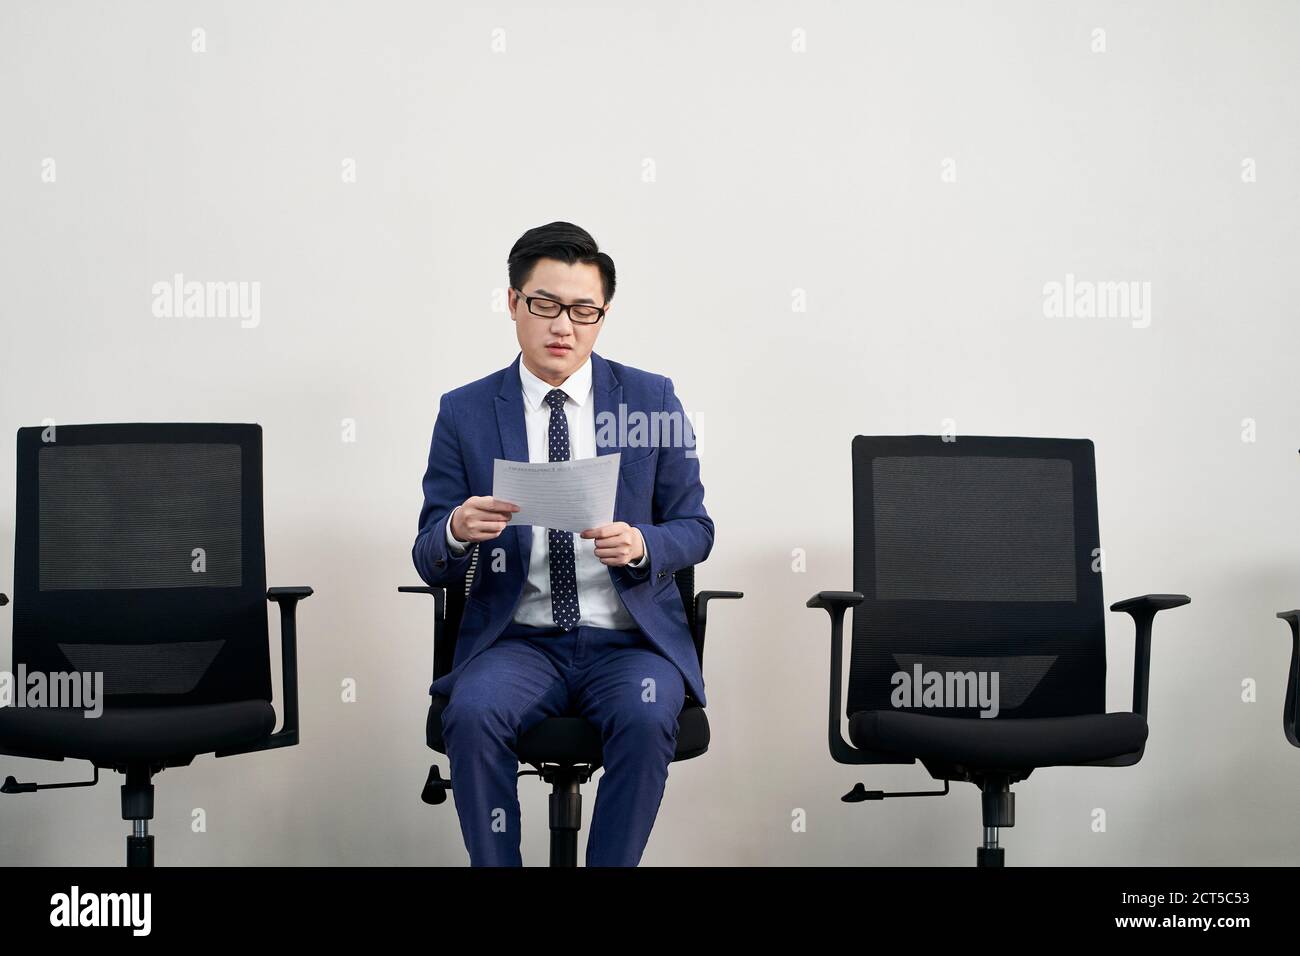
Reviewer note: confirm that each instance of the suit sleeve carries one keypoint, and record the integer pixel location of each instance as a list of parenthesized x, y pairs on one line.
[(639, 570), (446, 486), (681, 533)]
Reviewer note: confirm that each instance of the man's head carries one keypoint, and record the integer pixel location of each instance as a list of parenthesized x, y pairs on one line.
[(558, 263)]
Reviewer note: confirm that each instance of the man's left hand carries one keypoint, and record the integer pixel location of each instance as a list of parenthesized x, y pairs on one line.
[(617, 544)]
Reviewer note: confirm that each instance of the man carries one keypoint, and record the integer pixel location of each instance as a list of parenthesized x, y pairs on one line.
[(555, 622)]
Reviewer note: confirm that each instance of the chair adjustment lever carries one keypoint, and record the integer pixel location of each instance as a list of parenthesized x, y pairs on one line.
[(859, 793), (13, 786)]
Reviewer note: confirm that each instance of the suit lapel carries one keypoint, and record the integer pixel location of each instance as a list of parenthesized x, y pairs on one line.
[(608, 394), (514, 440)]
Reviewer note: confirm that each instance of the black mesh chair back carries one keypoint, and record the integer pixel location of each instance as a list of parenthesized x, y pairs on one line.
[(977, 555), (139, 554), (978, 643)]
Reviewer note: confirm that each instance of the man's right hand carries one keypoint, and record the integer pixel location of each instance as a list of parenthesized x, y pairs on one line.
[(481, 519)]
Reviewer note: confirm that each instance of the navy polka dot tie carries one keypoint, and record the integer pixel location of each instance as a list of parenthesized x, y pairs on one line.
[(564, 581)]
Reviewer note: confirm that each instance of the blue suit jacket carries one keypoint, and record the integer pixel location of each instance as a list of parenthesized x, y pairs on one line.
[(659, 492)]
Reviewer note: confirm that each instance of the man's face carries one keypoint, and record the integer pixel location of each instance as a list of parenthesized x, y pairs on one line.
[(554, 348)]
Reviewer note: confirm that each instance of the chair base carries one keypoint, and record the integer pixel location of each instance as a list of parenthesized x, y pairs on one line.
[(990, 857), (137, 807), (566, 782), (998, 806), (139, 851)]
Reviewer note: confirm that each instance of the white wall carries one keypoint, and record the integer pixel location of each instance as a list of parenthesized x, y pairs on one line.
[(774, 171)]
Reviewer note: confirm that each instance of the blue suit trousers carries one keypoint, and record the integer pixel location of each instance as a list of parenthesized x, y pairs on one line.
[(616, 679)]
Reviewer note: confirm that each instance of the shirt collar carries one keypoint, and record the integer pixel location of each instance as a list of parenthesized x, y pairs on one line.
[(577, 386)]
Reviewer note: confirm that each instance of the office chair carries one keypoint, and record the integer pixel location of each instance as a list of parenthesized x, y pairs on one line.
[(974, 559), (1289, 706), (1289, 713), (138, 556), (563, 751)]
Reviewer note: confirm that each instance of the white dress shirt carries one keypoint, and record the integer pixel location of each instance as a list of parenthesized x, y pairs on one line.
[(599, 604)]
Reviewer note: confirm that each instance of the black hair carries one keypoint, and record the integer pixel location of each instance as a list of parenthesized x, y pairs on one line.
[(563, 241)]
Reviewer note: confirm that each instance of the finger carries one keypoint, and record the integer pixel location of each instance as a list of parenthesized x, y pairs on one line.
[(489, 505)]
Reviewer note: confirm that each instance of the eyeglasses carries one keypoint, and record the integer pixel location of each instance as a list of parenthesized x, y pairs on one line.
[(549, 309)]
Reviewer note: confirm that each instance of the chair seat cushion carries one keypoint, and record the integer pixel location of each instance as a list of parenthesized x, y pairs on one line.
[(999, 743), (575, 740), (132, 734)]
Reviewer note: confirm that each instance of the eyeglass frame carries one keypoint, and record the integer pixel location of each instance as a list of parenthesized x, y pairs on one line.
[(564, 307)]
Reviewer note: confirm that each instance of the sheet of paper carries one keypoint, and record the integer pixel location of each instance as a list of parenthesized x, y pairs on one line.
[(565, 495)]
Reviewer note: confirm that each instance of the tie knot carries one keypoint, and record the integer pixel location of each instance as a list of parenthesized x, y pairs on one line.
[(555, 398)]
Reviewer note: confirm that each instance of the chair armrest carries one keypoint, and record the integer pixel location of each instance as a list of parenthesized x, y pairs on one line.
[(1290, 710), (836, 603), (702, 599), (422, 589), (1143, 610), (281, 595), (287, 735), (830, 600), (439, 603), (1151, 602)]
